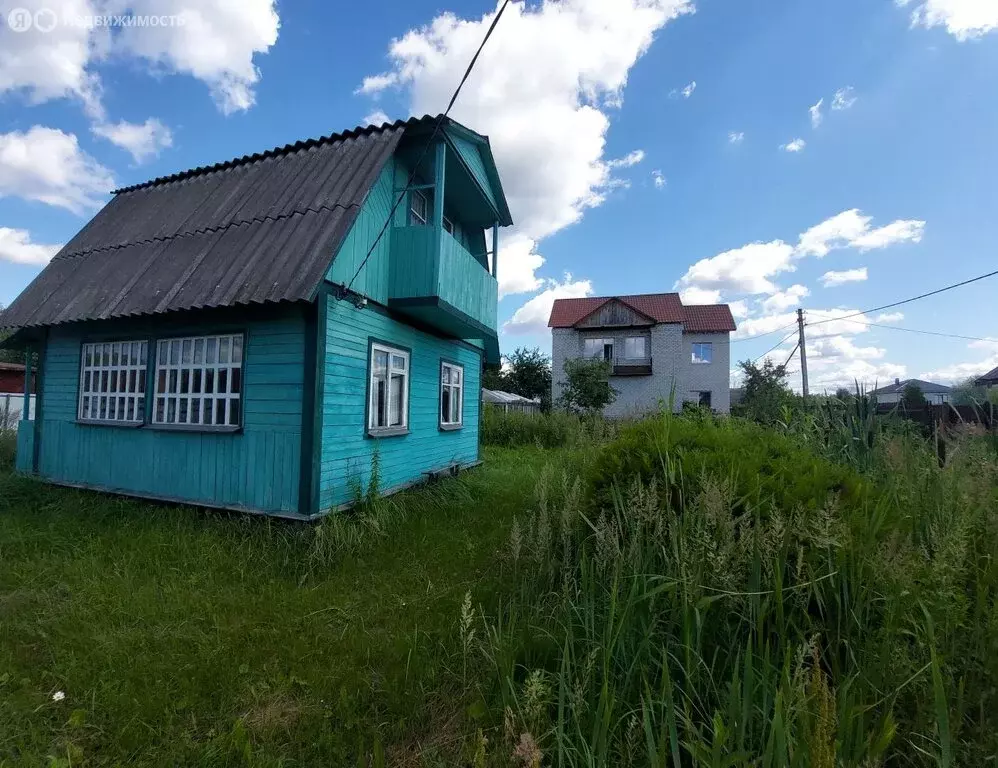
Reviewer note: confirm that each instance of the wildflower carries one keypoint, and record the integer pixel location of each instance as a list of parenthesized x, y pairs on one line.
[(527, 753), (58, 696)]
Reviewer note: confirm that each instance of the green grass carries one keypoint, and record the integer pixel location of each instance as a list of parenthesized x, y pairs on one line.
[(186, 637)]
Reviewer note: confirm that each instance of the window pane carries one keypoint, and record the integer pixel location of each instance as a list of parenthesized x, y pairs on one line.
[(162, 359), (199, 351), (174, 352), (396, 405), (236, 382), (445, 405), (380, 361), (160, 409), (187, 355), (185, 377), (195, 410), (381, 402), (196, 381), (223, 350), (398, 363), (223, 380), (234, 412), (220, 412), (211, 351), (209, 381), (115, 354), (173, 382), (456, 405), (237, 349), (182, 411)]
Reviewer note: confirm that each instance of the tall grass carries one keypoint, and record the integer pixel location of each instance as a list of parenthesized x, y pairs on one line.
[(557, 429), (692, 615)]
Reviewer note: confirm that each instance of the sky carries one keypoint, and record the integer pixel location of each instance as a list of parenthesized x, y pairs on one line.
[(834, 155)]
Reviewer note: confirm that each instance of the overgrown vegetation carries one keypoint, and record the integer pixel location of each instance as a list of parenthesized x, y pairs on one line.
[(673, 592), (525, 371), (586, 388)]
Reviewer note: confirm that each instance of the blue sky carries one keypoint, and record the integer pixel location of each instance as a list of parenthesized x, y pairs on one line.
[(623, 176)]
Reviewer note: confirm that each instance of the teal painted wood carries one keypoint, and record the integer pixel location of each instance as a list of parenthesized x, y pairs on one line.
[(25, 445), (372, 280), (469, 153), (414, 263), (346, 449), (465, 285), (256, 469)]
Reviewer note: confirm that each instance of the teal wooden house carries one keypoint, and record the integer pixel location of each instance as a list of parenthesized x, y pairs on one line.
[(248, 335)]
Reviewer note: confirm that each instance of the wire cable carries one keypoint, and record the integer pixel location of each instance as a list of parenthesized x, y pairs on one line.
[(426, 147), (790, 356), (775, 347), (767, 333), (927, 333), (908, 301)]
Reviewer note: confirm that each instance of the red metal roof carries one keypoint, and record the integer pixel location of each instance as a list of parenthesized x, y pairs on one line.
[(660, 307)]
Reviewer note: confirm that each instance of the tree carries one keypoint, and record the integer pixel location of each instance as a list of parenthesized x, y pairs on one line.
[(843, 394), (968, 393), (766, 391), (586, 388), (8, 355), (912, 397), (528, 373)]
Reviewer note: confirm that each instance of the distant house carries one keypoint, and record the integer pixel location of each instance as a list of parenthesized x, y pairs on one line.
[(12, 379), (509, 402), (238, 336), (988, 380), (655, 344), (935, 394)]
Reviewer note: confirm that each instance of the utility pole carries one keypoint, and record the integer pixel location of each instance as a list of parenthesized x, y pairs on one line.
[(803, 352)]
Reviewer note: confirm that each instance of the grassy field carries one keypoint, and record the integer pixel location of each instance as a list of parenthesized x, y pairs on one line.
[(676, 592), (184, 637)]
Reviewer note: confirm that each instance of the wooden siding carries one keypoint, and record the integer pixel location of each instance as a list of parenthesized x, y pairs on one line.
[(469, 153), (465, 284), (257, 468), (346, 448), (25, 445), (612, 314)]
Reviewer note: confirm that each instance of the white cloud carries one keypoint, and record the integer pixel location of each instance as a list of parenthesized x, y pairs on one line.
[(533, 316), (964, 19), (659, 180), (16, 246), (739, 309), (694, 295), (843, 98), (736, 137), (890, 317), (755, 326), (958, 372), (688, 89), (797, 145), (852, 229), (628, 160), (215, 42), (377, 117), (518, 265), (741, 270), (832, 279), (782, 300), (47, 165), (541, 91), (141, 140), (815, 111)]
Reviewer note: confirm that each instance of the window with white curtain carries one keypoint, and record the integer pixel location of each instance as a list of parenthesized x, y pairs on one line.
[(636, 348), (199, 381), (113, 382), (389, 389), (451, 394)]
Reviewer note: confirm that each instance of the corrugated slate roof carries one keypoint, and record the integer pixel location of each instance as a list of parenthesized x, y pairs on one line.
[(256, 229), (927, 387), (660, 307)]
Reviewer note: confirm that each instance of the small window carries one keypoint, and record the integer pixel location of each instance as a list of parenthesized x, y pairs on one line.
[(389, 389), (113, 382), (703, 352), (418, 208), (448, 225), (601, 349), (703, 399), (199, 381), (451, 395), (636, 348)]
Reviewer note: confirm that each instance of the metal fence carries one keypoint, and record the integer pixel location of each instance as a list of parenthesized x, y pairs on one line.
[(11, 405)]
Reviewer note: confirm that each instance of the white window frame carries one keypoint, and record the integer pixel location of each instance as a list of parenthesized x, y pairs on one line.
[(449, 227), (112, 386), (700, 359), (456, 391), (393, 370), (601, 345), (644, 347), (415, 217), (186, 368)]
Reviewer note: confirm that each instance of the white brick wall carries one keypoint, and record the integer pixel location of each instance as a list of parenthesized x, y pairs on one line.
[(672, 367)]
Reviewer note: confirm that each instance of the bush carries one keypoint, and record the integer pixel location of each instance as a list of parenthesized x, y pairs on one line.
[(759, 465), (555, 429), (8, 449)]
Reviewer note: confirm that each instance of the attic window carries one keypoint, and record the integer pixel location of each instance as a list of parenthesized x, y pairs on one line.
[(419, 208), (199, 381), (113, 382), (448, 225)]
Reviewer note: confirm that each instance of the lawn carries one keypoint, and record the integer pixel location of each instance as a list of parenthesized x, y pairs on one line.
[(184, 637)]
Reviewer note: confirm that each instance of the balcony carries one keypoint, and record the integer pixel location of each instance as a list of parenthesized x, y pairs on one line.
[(632, 366), (434, 280)]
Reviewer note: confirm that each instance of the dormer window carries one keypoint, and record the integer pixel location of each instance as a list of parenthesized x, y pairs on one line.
[(419, 208)]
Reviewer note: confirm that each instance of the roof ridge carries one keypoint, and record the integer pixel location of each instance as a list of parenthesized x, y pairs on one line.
[(205, 230), (299, 145)]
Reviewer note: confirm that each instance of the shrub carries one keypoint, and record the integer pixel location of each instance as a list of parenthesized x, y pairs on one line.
[(8, 449)]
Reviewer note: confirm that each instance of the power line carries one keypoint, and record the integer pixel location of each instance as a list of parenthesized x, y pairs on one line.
[(426, 147), (908, 301), (927, 333), (767, 333), (775, 346)]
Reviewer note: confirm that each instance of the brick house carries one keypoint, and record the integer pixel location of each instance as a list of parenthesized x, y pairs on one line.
[(656, 345)]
